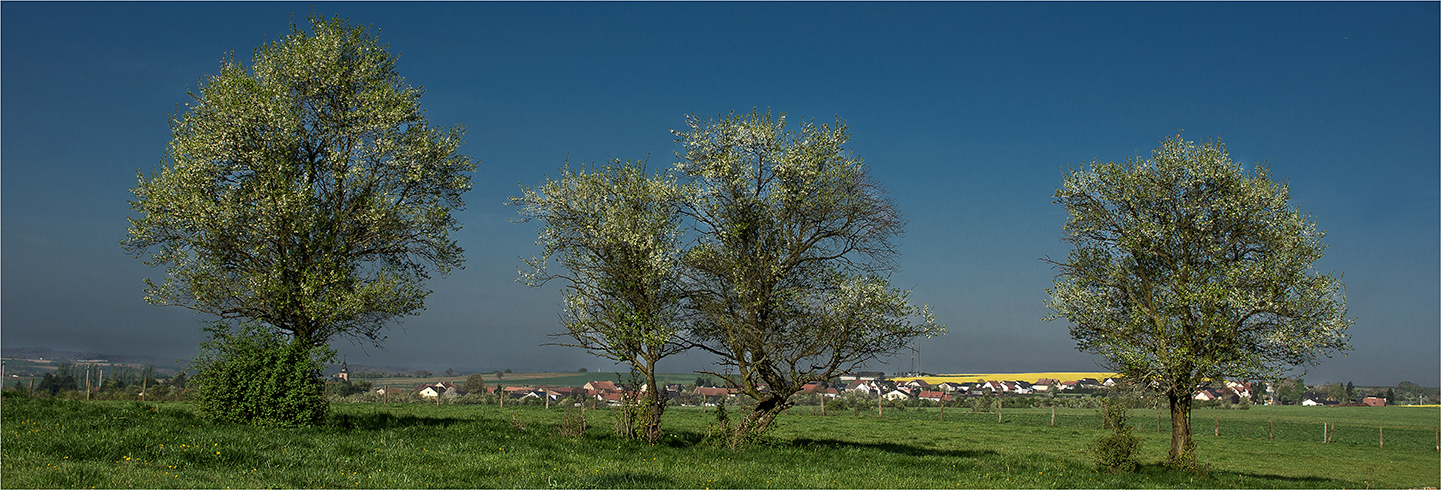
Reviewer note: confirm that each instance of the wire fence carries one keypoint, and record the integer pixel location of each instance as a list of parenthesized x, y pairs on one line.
[(1202, 425)]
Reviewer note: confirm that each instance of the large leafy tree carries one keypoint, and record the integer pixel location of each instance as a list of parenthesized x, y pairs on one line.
[(615, 229), (305, 193), (787, 280), (1187, 268)]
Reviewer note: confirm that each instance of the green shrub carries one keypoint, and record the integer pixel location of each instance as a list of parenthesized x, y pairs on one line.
[(1115, 452), (254, 375)]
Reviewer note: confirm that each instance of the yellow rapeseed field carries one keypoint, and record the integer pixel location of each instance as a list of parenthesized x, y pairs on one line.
[(1027, 377)]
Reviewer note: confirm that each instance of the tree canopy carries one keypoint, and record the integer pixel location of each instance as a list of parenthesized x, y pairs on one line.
[(1187, 268), (615, 229), (301, 198), (787, 279), (306, 191)]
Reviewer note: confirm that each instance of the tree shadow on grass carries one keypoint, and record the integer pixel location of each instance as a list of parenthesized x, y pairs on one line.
[(904, 449), (377, 421), (1252, 480)]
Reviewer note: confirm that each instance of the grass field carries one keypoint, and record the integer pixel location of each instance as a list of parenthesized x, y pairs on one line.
[(71, 444)]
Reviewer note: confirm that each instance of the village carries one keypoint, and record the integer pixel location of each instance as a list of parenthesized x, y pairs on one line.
[(902, 390)]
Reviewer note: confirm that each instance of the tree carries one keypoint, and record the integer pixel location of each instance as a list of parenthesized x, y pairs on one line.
[(474, 383), (787, 281), (1335, 392), (305, 193), (1290, 391), (1188, 268), (615, 230)]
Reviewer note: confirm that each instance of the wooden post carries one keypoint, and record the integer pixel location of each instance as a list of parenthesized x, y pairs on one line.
[(880, 410), (1000, 414), (1217, 418), (385, 395), (1053, 415), (1383, 437), (1270, 430), (1325, 433), (87, 384)]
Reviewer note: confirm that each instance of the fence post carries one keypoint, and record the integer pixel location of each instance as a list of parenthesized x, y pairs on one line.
[(1383, 436), (1053, 415), (1270, 430), (1217, 418)]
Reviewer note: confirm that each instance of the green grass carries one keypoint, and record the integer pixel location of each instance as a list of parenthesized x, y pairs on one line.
[(53, 443)]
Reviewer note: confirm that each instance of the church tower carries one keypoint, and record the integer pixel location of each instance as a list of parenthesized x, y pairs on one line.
[(344, 371)]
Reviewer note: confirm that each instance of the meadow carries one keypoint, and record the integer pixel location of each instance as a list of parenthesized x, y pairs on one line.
[(62, 443)]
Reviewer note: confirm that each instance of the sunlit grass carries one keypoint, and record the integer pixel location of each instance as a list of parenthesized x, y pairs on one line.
[(68, 444)]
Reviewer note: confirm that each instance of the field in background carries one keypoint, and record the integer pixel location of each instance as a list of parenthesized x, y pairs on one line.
[(72, 444), (535, 379)]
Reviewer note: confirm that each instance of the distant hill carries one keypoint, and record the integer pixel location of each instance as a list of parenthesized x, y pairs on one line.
[(164, 363)]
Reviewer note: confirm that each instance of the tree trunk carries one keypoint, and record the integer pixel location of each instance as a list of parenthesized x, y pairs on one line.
[(654, 407), (758, 421), (1183, 450)]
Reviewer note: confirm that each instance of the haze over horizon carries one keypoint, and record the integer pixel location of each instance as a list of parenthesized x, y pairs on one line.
[(966, 112)]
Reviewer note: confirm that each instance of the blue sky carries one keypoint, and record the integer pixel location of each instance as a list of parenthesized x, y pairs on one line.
[(967, 112)]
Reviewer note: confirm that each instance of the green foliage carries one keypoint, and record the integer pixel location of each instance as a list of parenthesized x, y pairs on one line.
[(1115, 452), (1186, 268), (305, 191), (345, 388), (616, 231), (788, 277), (474, 383), (255, 375)]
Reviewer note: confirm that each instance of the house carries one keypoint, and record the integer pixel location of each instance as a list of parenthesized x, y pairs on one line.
[(1242, 390), (1207, 395), (897, 395), (710, 394), (601, 386), (1374, 401), (949, 386), (864, 376), (863, 387), (829, 393), (937, 396), (1047, 382), (1315, 399), (918, 384)]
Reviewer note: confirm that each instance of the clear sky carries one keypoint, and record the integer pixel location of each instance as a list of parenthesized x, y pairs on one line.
[(967, 112)]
